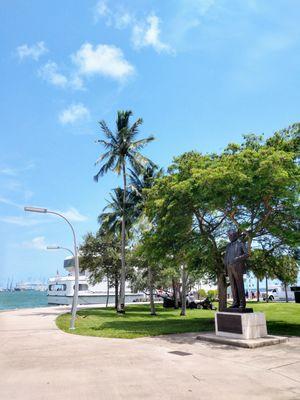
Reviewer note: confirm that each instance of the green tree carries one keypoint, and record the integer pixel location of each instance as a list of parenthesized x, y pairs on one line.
[(202, 293), (100, 256), (120, 149), (253, 186), (286, 270), (139, 182)]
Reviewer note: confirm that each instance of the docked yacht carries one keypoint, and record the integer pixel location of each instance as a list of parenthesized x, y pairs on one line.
[(61, 288)]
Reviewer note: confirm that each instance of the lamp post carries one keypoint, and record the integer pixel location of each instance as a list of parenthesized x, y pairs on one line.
[(75, 296), (60, 248)]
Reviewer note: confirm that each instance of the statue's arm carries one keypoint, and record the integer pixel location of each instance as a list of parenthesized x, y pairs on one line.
[(244, 251)]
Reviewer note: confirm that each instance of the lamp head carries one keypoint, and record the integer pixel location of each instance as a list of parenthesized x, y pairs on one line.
[(36, 209)]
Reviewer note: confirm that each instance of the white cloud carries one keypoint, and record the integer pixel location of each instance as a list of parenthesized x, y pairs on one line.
[(8, 171), (123, 19), (148, 34), (37, 243), (118, 17), (76, 82), (270, 44), (202, 6), (144, 32), (73, 113), (103, 60), (9, 202), (49, 72), (35, 51), (21, 221), (101, 10), (28, 194), (12, 185), (73, 215)]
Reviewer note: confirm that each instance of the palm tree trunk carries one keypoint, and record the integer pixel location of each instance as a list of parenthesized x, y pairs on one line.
[(121, 305), (183, 292), (107, 294), (150, 284), (257, 289)]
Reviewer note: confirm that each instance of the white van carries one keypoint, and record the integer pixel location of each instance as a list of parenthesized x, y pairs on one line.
[(278, 294)]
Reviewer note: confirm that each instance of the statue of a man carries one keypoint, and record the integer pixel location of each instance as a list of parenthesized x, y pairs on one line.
[(234, 260)]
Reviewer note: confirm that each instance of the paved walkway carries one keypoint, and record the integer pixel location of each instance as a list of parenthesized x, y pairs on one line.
[(37, 362)]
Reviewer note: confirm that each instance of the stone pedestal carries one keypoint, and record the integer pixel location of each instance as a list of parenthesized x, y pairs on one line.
[(241, 325)]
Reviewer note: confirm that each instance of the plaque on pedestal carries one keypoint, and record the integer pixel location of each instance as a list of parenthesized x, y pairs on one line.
[(241, 325)]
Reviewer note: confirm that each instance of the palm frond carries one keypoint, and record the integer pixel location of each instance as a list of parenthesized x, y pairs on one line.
[(102, 157), (108, 133), (123, 119), (105, 168), (105, 143), (138, 161), (139, 144), (119, 166), (134, 129)]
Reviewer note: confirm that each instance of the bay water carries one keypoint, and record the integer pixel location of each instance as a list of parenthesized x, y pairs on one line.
[(25, 299)]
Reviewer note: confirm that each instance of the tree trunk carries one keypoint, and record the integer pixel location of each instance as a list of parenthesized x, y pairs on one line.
[(222, 291), (121, 305), (107, 294), (116, 293), (183, 291), (175, 293), (257, 290), (150, 284), (267, 290), (286, 294)]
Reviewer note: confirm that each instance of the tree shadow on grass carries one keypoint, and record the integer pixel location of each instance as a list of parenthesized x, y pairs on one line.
[(154, 327), (283, 328), (140, 312), (101, 313)]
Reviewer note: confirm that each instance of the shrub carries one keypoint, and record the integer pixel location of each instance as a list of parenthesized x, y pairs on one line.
[(202, 293), (212, 294)]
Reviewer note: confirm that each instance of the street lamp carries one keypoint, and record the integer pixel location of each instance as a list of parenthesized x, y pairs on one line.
[(59, 248), (75, 296)]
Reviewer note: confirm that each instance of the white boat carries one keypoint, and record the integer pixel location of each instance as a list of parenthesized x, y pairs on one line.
[(25, 286), (61, 289)]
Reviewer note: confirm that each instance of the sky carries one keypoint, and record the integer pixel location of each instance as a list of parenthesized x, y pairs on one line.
[(201, 73)]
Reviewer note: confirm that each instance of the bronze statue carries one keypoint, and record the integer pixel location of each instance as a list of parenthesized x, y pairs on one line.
[(234, 260)]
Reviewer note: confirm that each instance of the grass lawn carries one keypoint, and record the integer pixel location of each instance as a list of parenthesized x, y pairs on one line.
[(282, 319)]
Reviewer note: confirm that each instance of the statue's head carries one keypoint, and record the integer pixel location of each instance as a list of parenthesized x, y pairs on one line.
[(232, 234)]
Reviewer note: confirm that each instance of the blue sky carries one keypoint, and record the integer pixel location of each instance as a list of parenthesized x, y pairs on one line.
[(199, 72)]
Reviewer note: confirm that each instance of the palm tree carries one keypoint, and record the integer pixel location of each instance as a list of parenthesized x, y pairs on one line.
[(139, 181), (122, 148), (111, 218)]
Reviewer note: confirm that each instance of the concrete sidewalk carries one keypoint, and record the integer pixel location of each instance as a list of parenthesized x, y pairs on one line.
[(37, 361)]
